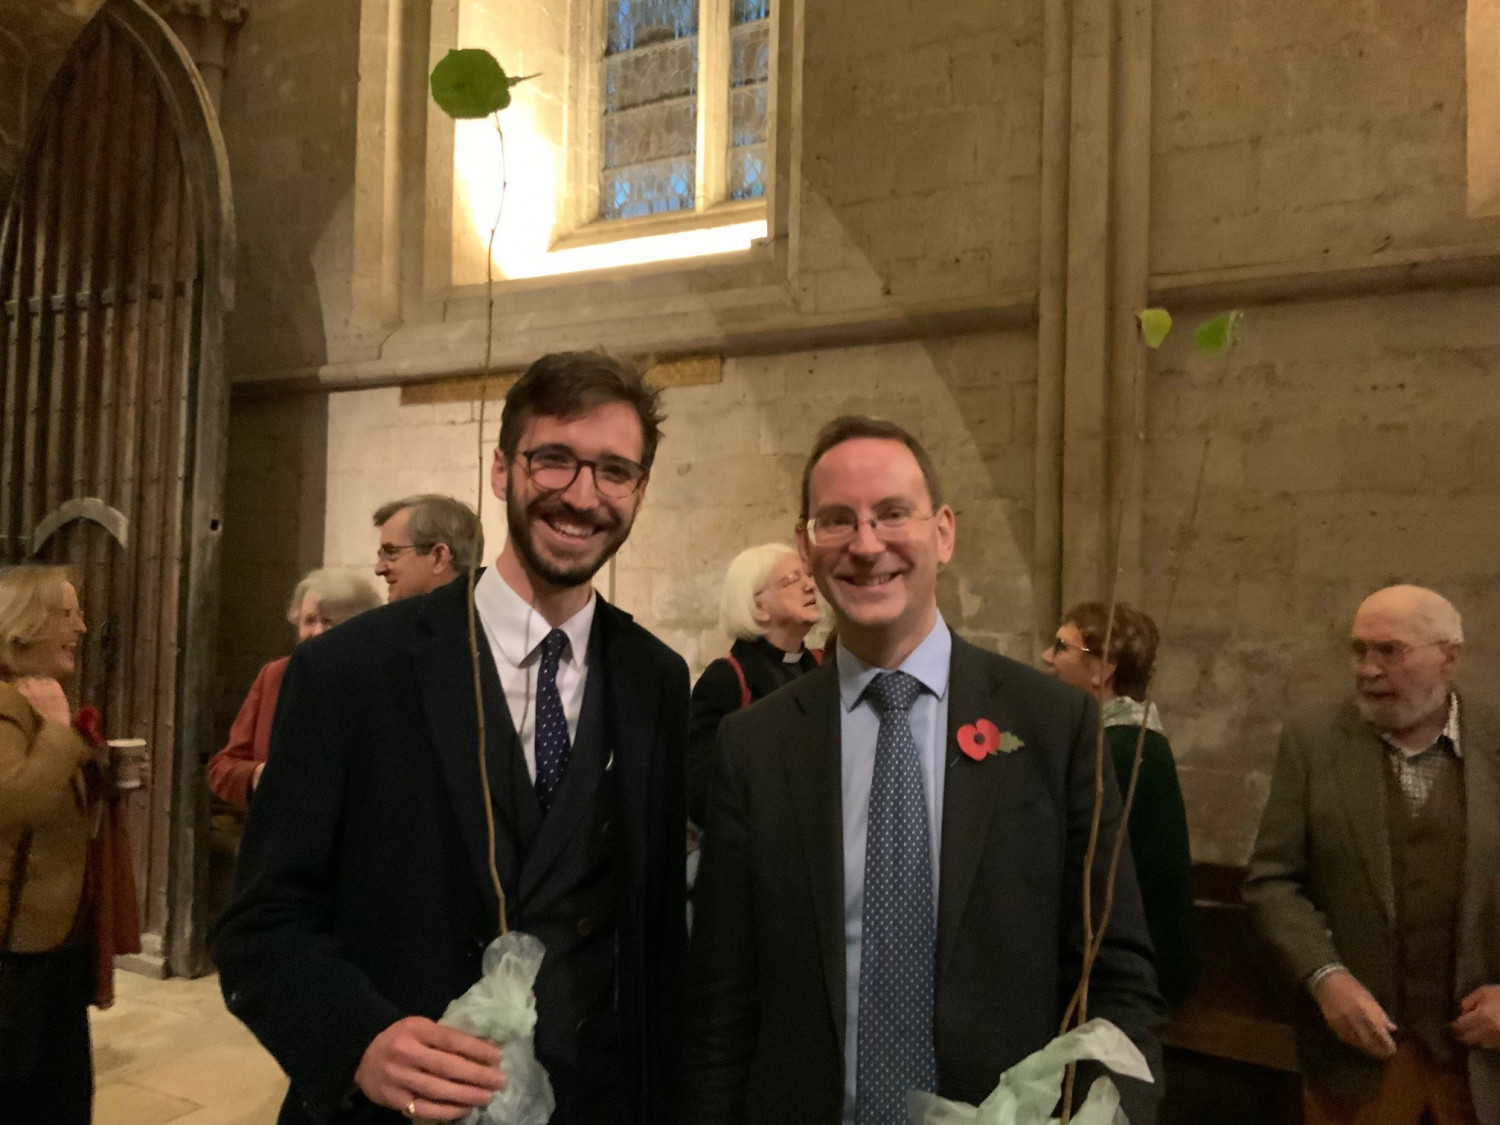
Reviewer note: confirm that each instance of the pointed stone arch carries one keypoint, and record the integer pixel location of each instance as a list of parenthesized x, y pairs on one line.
[(116, 270)]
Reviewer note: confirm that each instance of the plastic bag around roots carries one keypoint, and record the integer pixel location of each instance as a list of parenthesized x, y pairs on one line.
[(1028, 1091), (501, 1008)]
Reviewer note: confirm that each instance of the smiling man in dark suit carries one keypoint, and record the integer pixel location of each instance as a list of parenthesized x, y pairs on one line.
[(890, 888), (364, 894)]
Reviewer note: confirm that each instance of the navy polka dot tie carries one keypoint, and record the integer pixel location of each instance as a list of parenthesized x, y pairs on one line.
[(552, 745), (895, 1051)]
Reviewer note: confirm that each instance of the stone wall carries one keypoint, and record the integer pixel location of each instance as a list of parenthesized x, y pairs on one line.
[(275, 505), (728, 472), (1350, 446), (1284, 130), (1304, 162), (288, 116)]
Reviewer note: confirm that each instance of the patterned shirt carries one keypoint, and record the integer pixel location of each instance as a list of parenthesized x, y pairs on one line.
[(1416, 773)]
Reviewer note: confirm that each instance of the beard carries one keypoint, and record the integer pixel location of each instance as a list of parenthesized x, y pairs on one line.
[(1401, 713), (520, 518)]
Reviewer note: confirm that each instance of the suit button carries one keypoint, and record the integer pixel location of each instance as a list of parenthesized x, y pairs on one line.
[(585, 927)]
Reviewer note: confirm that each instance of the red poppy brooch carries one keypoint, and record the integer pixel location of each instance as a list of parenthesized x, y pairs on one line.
[(981, 739), (90, 725)]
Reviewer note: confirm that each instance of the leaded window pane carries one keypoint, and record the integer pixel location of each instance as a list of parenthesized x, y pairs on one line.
[(747, 172), (747, 116), (652, 74), (749, 89), (632, 24), (650, 125), (647, 189), (748, 11), (651, 132)]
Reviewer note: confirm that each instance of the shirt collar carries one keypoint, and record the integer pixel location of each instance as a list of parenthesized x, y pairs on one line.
[(929, 663), (518, 629), (1450, 731)]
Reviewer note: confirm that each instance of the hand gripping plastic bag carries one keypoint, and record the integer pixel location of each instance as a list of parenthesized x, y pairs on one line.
[(1028, 1091), (501, 1008)]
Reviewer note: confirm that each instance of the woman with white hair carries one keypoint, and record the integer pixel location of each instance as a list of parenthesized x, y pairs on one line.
[(323, 599), (769, 605)]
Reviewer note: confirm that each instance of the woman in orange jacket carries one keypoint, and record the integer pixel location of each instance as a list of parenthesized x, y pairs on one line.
[(67, 898)]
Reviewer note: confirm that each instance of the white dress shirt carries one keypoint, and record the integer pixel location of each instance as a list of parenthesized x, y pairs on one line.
[(515, 631)]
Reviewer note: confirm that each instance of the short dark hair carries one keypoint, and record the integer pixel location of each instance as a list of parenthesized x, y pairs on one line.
[(438, 519), (1132, 642), (568, 384), (851, 426)]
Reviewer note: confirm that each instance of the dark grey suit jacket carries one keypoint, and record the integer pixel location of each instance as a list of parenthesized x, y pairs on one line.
[(767, 982), (1319, 882)]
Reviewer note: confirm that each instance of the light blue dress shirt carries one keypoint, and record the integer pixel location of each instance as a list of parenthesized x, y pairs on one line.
[(859, 727)]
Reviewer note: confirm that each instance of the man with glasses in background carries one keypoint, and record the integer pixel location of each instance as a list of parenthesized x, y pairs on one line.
[(365, 894), (426, 541), (889, 896), (1376, 879)]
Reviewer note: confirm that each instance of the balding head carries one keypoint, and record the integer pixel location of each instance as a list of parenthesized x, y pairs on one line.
[(1406, 642), (1423, 615)]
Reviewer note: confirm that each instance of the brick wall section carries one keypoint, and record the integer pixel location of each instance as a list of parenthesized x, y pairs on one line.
[(1351, 447)]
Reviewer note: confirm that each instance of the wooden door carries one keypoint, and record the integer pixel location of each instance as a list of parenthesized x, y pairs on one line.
[(114, 260)]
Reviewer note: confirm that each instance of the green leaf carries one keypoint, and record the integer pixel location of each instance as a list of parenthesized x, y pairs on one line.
[(1155, 324), (1217, 335), (470, 83)]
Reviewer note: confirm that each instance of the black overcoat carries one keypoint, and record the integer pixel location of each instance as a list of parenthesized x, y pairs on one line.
[(363, 894)]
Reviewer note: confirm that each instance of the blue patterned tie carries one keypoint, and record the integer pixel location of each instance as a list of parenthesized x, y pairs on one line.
[(895, 1051), (552, 745)]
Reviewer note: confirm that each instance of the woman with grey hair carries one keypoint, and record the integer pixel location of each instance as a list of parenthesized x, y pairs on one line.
[(324, 598), (769, 605)]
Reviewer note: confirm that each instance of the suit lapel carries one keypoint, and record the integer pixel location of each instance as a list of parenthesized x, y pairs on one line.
[(810, 758), (1479, 735), (1359, 766), (970, 788), (445, 678)]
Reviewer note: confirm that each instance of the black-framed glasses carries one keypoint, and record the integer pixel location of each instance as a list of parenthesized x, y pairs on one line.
[(1060, 646), (390, 552), (839, 527), (556, 467)]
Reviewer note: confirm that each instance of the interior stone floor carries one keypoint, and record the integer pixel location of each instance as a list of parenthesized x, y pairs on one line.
[(169, 1053)]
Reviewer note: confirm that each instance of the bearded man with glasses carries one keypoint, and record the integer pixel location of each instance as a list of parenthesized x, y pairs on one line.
[(365, 896), (1376, 879), (894, 846)]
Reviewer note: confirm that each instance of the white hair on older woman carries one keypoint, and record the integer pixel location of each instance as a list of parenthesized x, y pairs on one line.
[(746, 577), (339, 592)]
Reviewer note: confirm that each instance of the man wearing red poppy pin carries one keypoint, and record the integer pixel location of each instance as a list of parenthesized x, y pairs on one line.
[(890, 885)]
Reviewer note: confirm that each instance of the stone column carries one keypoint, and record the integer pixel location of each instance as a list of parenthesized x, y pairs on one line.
[(204, 27), (1096, 175)]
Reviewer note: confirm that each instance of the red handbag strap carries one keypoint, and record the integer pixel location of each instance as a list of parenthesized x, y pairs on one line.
[(739, 674)]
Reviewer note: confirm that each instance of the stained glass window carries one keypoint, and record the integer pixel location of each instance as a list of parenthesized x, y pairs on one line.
[(650, 133), (749, 88)]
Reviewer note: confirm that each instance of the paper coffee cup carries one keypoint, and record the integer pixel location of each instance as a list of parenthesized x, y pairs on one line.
[(128, 756)]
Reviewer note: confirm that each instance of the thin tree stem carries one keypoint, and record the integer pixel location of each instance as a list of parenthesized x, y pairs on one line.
[(484, 386)]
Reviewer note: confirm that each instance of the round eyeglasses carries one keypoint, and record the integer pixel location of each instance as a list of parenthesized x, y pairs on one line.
[(554, 468)]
